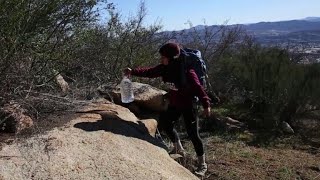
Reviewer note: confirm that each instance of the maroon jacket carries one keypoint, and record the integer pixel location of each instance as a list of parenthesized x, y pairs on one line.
[(183, 96)]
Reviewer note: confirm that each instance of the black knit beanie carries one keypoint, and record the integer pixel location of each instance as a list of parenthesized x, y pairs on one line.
[(170, 50)]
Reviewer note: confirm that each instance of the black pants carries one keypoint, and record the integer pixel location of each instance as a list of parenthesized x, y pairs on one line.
[(169, 117)]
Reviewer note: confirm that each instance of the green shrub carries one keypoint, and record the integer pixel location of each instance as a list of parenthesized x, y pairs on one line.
[(269, 84)]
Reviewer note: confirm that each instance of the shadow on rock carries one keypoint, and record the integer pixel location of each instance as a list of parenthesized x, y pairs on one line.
[(121, 127)]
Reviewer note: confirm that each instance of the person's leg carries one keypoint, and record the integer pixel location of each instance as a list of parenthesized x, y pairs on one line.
[(166, 124), (192, 126)]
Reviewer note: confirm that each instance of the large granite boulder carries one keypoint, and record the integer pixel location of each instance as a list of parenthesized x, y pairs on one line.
[(99, 141), (145, 96)]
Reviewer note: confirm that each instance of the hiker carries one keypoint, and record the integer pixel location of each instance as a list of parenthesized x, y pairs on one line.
[(181, 98)]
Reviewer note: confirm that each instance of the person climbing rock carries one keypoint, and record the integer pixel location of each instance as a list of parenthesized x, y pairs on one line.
[(186, 86)]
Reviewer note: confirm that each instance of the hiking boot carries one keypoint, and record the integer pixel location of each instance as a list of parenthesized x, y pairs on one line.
[(181, 152), (201, 169), (202, 166)]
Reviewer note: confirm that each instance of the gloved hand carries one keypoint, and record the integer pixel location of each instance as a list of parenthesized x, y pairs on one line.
[(127, 71)]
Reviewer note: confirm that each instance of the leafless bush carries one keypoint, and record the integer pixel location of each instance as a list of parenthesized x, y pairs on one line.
[(33, 39)]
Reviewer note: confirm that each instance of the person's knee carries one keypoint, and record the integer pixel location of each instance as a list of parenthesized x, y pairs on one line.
[(193, 133)]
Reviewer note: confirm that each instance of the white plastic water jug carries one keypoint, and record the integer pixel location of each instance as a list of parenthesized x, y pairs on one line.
[(126, 90)]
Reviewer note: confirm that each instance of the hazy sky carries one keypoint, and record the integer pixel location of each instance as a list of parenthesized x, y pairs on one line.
[(174, 14)]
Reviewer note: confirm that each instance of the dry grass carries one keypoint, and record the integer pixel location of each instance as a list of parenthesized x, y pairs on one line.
[(230, 157)]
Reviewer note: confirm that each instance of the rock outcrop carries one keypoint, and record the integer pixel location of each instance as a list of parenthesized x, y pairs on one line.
[(101, 141), (13, 118)]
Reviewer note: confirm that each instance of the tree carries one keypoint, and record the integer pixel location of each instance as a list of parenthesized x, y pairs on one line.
[(101, 52), (33, 38), (274, 87)]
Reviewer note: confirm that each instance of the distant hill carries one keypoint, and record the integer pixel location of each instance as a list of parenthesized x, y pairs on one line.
[(283, 27), (294, 31), (314, 19)]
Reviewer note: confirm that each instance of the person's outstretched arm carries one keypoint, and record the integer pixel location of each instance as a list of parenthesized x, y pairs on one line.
[(150, 72)]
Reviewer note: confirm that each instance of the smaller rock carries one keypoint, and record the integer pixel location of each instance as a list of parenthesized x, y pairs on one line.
[(175, 156), (229, 124), (62, 84), (151, 125), (13, 118)]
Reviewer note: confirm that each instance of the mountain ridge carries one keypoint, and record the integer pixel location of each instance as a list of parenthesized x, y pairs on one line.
[(270, 32)]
